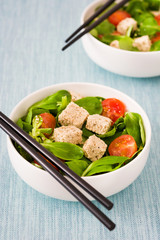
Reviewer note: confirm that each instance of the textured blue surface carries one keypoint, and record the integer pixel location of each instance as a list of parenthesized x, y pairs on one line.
[(32, 34)]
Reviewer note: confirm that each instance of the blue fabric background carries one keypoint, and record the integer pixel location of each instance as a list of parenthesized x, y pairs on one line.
[(32, 33)]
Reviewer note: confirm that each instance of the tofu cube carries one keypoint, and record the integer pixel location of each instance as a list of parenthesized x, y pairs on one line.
[(98, 124), (142, 43), (73, 115), (69, 134), (155, 13), (115, 44), (94, 148), (123, 26), (75, 96)]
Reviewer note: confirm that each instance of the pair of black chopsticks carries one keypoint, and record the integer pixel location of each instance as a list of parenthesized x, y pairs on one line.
[(94, 24), (37, 151)]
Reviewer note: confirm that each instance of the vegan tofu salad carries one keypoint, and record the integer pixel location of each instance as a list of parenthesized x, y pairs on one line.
[(91, 135), (135, 27)]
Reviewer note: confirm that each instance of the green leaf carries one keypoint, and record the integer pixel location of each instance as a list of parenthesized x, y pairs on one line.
[(108, 38), (77, 166), (108, 134), (136, 154), (142, 130), (100, 98), (136, 7), (121, 126), (126, 44), (46, 130), (91, 104), (64, 150), (149, 27), (86, 159), (38, 111), (153, 4), (143, 16), (62, 104), (23, 153), (82, 159), (20, 123), (112, 160), (105, 164), (105, 28), (94, 33), (119, 120), (108, 140), (86, 133), (155, 46), (39, 133), (134, 127), (28, 118), (117, 130), (51, 102), (99, 169), (37, 122), (25, 126)]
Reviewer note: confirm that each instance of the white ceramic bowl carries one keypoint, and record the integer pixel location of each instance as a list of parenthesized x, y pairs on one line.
[(127, 63), (107, 184)]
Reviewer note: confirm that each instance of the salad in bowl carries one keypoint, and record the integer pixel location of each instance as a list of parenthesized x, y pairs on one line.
[(100, 133), (91, 135), (134, 27), (127, 43)]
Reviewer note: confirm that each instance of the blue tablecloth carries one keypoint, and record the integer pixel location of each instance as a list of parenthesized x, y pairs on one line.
[(32, 34)]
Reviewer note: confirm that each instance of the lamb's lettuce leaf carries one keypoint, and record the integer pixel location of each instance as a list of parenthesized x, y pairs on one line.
[(64, 150), (91, 104)]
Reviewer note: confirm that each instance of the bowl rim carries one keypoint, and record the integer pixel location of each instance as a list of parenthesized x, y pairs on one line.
[(101, 44), (147, 143)]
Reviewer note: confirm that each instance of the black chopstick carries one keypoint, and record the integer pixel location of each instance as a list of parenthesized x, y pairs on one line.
[(99, 11), (94, 24), (39, 148), (87, 187), (57, 175)]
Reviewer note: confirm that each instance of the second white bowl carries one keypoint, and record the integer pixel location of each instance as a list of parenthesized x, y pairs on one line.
[(127, 63)]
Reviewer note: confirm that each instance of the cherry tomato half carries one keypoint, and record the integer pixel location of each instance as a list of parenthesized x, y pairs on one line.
[(49, 121), (118, 16), (113, 108), (158, 19), (124, 146), (156, 38)]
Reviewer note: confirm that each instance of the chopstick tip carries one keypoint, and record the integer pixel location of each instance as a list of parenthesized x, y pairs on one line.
[(110, 206), (112, 227), (66, 46)]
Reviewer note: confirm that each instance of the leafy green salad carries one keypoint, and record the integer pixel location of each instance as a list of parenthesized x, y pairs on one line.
[(134, 27), (91, 135)]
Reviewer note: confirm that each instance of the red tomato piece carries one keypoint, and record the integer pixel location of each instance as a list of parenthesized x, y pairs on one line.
[(118, 16), (47, 161), (158, 19), (100, 36), (124, 146), (113, 108), (49, 121), (116, 33), (156, 38)]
